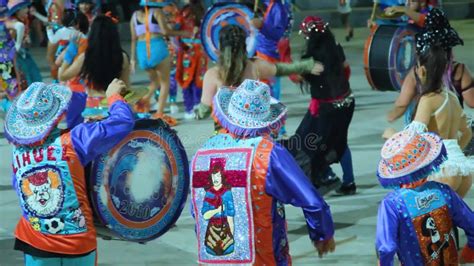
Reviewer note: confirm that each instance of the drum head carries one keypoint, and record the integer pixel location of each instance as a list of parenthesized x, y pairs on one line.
[(389, 55), (220, 15), (139, 188)]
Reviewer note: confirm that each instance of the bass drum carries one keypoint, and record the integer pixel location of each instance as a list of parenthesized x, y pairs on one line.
[(389, 55), (220, 15), (140, 187)]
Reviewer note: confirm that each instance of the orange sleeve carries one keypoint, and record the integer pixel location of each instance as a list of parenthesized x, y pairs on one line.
[(116, 97), (421, 20)]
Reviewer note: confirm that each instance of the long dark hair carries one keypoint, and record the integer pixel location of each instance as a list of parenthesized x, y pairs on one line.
[(74, 18), (435, 60), (233, 55), (197, 9), (103, 57), (322, 47)]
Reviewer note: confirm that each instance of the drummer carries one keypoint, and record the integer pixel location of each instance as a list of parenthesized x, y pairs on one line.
[(56, 227), (234, 66), (415, 10)]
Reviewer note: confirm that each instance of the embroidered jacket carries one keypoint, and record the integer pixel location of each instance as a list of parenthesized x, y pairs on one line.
[(239, 187), (191, 61), (50, 182), (417, 225), (275, 23)]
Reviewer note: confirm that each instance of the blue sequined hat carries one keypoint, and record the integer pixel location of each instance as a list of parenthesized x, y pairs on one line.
[(36, 112), (248, 110), (15, 5), (154, 3), (408, 157)]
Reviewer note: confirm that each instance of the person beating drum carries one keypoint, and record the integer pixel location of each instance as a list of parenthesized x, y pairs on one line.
[(56, 226)]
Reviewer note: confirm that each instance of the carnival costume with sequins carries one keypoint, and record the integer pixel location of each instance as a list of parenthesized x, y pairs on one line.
[(8, 79), (275, 23), (322, 134), (191, 62), (25, 63), (48, 167), (416, 220), (258, 176)]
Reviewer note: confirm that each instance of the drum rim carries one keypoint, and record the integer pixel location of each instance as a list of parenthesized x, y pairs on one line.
[(392, 76), (179, 206)]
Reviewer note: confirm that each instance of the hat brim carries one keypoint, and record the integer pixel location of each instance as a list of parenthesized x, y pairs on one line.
[(416, 171), (21, 132), (17, 7), (247, 127)]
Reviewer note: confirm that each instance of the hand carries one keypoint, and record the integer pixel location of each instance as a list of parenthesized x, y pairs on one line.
[(219, 209), (388, 133), (117, 86), (390, 11), (391, 117), (370, 23), (60, 59), (318, 68), (257, 23), (325, 246)]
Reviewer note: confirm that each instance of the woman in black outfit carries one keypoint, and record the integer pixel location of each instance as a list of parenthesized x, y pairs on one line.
[(321, 138)]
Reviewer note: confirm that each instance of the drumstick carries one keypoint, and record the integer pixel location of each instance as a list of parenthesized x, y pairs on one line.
[(255, 6)]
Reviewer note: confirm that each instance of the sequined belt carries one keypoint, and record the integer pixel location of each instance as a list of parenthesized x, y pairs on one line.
[(338, 102)]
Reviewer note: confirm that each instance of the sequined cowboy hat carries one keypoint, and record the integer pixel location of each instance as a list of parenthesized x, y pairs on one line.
[(154, 3), (437, 31), (248, 110), (36, 112), (408, 157), (15, 5)]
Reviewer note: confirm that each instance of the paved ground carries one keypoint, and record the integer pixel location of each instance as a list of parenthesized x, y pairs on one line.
[(355, 216)]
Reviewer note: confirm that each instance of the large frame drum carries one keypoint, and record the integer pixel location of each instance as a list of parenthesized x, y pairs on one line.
[(139, 188), (389, 55), (217, 17)]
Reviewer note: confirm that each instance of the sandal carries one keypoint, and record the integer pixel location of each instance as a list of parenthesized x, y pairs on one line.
[(171, 121)]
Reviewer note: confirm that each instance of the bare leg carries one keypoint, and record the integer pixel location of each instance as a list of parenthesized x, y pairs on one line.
[(164, 78), (347, 25), (465, 186)]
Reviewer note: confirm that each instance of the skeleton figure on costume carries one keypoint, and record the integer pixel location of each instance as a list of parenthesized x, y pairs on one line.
[(416, 220)]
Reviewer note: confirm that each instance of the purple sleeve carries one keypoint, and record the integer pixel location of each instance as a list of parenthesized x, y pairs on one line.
[(93, 139), (76, 107), (275, 22), (462, 215), (387, 233), (287, 183)]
